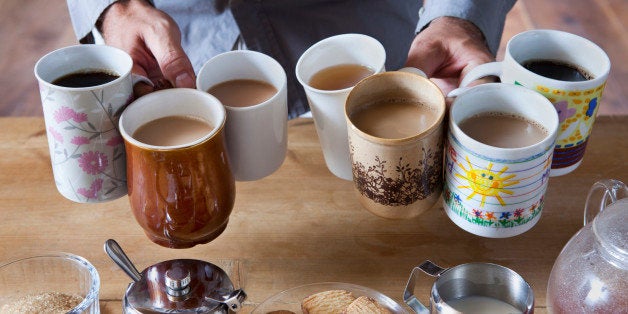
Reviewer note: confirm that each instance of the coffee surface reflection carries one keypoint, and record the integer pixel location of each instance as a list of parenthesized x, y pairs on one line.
[(558, 70), (243, 92), (503, 130), (173, 130), (339, 76), (86, 78), (394, 118)]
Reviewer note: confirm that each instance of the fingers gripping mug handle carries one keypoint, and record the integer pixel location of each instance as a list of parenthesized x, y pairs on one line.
[(480, 71), (135, 78), (413, 71), (408, 295)]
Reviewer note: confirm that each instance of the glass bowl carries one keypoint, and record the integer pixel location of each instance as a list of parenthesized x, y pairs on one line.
[(290, 300), (55, 277)]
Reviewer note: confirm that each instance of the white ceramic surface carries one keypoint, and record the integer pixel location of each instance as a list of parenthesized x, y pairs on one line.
[(256, 135), (328, 106)]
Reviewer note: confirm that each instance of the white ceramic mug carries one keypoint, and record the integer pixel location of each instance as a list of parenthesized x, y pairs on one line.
[(86, 149), (256, 135), (576, 102), (327, 106), (492, 191)]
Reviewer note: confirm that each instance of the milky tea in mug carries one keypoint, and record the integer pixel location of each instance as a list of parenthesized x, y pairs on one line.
[(242, 92), (497, 159), (328, 70), (253, 89), (395, 129), (393, 118), (340, 76), (514, 130), (182, 129), (181, 188)]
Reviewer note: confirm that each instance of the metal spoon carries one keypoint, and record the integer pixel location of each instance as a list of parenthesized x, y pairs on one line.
[(116, 253)]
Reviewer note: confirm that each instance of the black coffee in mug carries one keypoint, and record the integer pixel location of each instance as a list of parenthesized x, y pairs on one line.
[(558, 70), (85, 78)]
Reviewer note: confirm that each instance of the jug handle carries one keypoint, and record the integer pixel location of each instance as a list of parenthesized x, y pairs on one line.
[(408, 295), (602, 194)]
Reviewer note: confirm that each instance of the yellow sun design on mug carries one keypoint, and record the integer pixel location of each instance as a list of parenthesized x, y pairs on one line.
[(487, 183)]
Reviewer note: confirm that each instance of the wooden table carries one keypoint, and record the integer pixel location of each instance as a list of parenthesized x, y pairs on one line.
[(300, 225)]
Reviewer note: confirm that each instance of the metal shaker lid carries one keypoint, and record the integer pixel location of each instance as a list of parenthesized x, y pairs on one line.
[(177, 286), (183, 286)]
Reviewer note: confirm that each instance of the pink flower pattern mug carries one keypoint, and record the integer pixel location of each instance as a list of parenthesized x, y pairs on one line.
[(86, 149)]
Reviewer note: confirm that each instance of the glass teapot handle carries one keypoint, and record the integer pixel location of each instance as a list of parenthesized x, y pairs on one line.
[(602, 194)]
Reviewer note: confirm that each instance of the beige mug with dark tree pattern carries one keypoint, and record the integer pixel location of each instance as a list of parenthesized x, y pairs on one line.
[(395, 126)]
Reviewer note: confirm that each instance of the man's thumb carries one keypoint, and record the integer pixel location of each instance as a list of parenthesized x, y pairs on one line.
[(173, 62)]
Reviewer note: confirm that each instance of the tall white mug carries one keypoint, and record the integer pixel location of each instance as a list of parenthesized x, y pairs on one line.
[(327, 106), (256, 135)]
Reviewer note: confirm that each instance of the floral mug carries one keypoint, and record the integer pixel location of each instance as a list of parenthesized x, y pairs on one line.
[(86, 149)]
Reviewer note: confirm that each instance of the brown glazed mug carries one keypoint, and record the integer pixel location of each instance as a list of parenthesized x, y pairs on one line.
[(397, 177), (181, 195)]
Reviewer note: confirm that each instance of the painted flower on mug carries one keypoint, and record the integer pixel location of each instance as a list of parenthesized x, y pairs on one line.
[(63, 114), (79, 140), (79, 117), (492, 219), (93, 190), (115, 141), (93, 162), (56, 135), (490, 216), (564, 112)]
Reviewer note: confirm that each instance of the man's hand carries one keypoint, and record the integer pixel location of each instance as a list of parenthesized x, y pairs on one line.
[(447, 50), (153, 40)]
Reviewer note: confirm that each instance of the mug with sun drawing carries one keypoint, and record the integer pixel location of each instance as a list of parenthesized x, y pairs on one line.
[(498, 159)]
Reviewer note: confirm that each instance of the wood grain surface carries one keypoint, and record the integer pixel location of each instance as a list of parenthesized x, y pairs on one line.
[(300, 225)]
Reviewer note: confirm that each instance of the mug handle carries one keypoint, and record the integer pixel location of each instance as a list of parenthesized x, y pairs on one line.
[(413, 70), (480, 71), (408, 295), (613, 190), (136, 78)]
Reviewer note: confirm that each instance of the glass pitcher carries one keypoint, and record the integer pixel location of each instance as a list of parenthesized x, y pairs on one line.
[(591, 273)]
